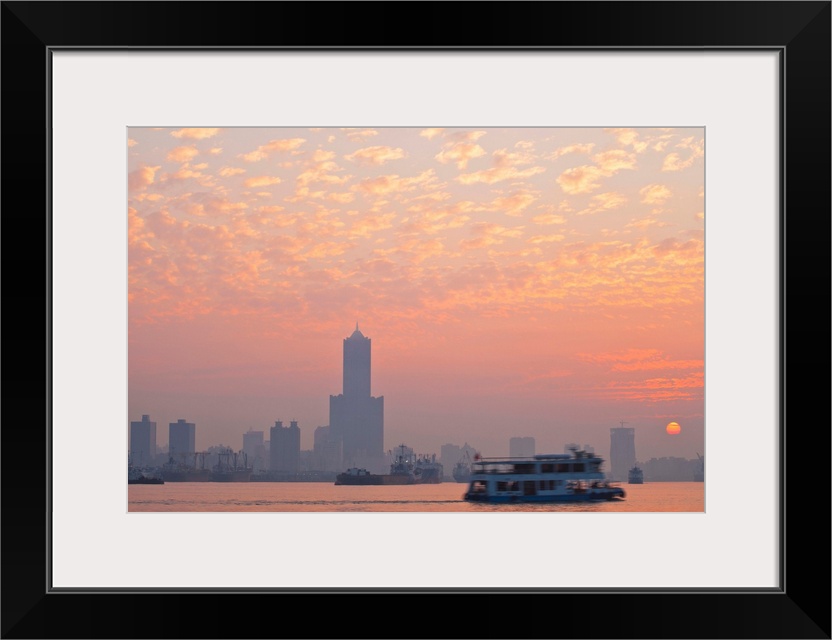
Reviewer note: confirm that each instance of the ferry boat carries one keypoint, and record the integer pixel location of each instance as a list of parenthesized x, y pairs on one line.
[(557, 477), (635, 475)]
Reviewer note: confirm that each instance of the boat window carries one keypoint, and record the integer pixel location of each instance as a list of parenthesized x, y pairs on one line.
[(548, 468), (524, 467), (579, 466), (563, 467), (502, 486)]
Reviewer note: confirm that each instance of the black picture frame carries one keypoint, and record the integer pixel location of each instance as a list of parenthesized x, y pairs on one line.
[(799, 608)]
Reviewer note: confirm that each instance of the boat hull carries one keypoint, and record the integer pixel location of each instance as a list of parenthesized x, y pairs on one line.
[(374, 479), (187, 476), (231, 476), (595, 496)]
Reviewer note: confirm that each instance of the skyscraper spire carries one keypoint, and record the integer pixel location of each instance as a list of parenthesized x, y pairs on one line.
[(356, 325)]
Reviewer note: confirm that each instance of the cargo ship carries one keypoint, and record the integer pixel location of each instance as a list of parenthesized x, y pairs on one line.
[(422, 470), (462, 469), (635, 475), (182, 471), (227, 471)]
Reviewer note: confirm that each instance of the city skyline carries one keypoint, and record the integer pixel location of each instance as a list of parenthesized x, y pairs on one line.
[(544, 283)]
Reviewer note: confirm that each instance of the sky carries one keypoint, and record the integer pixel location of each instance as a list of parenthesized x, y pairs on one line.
[(543, 282)]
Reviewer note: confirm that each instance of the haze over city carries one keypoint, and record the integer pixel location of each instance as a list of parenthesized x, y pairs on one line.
[(514, 282)]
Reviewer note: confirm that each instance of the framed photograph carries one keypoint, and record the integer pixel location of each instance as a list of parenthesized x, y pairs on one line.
[(137, 125)]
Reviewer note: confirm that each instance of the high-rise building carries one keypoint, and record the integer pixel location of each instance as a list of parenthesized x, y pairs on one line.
[(356, 418), (521, 447), (622, 452), (326, 450), (284, 447), (182, 441), (143, 442), (253, 448)]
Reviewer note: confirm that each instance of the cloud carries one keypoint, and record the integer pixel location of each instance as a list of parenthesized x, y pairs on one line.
[(369, 225), (131, 142), (265, 150), (383, 185), (504, 167), (626, 356), (188, 172), (515, 204), (572, 148), (610, 162), (459, 147), (360, 135), (550, 238), (430, 134), (587, 178), (655, 194), (342, 198), (460, 153), (549, 218), (227, 172), (319, 168), (696, 150), (629, 138), (141, 177), (215, 151), (182, 154), (376, 155), (653, 365), (604, 202), (487, 234), (583, 179), (195, 133), (262, 181)]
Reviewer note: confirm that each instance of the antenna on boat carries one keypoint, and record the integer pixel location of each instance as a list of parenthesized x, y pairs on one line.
[(623, 423)]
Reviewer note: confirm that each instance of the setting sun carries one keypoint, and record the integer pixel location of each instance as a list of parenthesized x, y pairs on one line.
[(673, 428)]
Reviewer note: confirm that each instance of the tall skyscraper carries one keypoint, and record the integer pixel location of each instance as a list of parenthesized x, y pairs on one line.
[(142, 442), (284, 447), (182, 441), (622, 452), (356, 418)]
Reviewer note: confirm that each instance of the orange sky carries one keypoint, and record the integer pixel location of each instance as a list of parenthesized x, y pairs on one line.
[(514, 281)]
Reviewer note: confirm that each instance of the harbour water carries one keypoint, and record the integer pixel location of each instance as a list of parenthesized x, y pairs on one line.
[(428, 498)]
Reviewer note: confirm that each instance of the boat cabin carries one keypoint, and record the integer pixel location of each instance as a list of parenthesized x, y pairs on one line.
[(539, 477)]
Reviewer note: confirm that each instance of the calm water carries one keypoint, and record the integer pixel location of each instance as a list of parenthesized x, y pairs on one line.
[(318, 496)]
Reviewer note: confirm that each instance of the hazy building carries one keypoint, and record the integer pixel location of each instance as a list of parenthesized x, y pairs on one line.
[(356, 418), (449, 455), (670, 469), (326, 450), (253, 449), (182, 441), (521, 447), (143, 441), (622, 452), (284, 448)]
